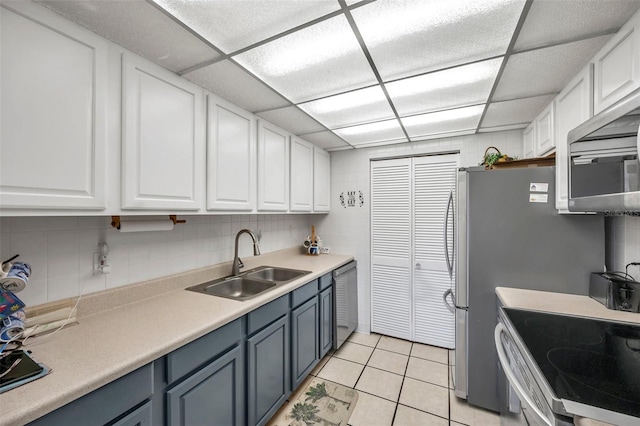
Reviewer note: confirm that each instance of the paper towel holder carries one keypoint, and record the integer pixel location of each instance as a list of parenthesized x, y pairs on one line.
[(115, 220)]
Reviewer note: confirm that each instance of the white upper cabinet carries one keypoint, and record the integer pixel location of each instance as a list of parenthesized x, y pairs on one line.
[(545, 137), (529, 138), (573, 106), (273, 167), (53, 103), (617, 66), (231, 157), (301, 175), (163, 138), (321, 180)]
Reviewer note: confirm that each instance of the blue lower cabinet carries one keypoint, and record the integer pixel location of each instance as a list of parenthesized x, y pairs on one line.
[(104, 405), (268, 371), (304, 340), (141, 416), (214, 395), (326, 321)]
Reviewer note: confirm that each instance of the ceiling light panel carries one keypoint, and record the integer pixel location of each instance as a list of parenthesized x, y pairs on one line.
[(292, 119), (232, 25), (546, 70), (416, 36), (326, 140), (320, 60), (231, 82), (381, 131), (519, 111), (569, 20), (139, 27), (351, 108), (450, 121), (454, 87)]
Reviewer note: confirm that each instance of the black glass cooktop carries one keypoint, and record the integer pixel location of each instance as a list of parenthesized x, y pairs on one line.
[(585, 360)]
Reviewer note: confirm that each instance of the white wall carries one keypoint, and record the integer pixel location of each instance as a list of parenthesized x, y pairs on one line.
[(347, 230), (60, 249), (623, 243)]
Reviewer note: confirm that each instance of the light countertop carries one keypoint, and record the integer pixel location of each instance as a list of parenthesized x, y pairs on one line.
[(123, 329), (561, 303)]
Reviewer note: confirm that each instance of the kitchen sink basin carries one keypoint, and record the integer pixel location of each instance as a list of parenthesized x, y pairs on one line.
[(238, 288), (250, 283), (279, 275)]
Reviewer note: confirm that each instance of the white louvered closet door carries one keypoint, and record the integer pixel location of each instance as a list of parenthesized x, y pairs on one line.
[(434, 180), (391, 247), (409, 270)]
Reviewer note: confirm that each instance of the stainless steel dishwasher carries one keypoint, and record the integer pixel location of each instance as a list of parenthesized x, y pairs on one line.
[(345, 321)]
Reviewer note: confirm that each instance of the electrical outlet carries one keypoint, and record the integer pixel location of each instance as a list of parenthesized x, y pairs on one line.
[(325, 250), (100, 258)]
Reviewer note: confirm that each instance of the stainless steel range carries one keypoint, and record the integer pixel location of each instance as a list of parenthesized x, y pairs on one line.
[(559, 366)]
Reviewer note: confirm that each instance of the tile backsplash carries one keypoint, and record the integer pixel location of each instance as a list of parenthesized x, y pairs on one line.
[(61, 250)]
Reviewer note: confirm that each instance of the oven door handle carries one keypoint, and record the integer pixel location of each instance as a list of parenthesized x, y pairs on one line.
[(513, 380)]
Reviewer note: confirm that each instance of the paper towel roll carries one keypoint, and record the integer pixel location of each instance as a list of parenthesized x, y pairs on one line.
[(146, 225)]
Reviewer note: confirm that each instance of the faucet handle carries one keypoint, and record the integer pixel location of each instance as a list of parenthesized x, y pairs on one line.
[(240, 264)]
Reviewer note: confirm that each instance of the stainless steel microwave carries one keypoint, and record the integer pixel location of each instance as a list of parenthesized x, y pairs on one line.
[(603, 160)]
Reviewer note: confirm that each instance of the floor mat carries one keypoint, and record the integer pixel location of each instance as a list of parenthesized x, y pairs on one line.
[(320, 403)]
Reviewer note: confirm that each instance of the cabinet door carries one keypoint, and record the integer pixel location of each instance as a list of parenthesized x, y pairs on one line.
[(545, 138), (305, 323), (268, 371), (212, 396), (617, 66), (529, 140), (573, 105), (321, 180), (273, 167), (231, 157), (163, 138), (326, 321), (53, 103), (301, 175), (141, 416)]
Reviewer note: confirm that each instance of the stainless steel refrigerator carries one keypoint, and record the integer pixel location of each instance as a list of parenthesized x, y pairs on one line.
[(509, 234)]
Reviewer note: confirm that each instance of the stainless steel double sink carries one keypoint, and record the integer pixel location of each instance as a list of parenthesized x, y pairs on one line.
[(250, 283)]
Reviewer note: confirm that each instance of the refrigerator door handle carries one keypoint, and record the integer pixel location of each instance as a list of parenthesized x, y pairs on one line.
[(444, 298), (446, 231)]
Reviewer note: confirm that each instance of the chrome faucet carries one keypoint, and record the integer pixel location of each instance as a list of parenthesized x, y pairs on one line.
[(237, 263)]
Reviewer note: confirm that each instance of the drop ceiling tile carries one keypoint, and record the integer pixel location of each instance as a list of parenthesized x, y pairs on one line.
[(292, 119), (518, 111), (568, 20), (415, 36), (351, 108), (454, 87), (228, 80), (546, 70), (381, 131), (139, 27), (442, 122), (320, 60), (231, 24), (326, 140)]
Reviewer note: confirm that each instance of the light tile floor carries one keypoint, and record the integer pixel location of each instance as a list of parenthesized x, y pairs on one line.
[(400, 383)]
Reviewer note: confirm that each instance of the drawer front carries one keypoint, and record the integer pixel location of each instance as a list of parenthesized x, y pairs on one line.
[(304, 293), (195, 354), (105, 403), (266, 314), (325, 281)]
